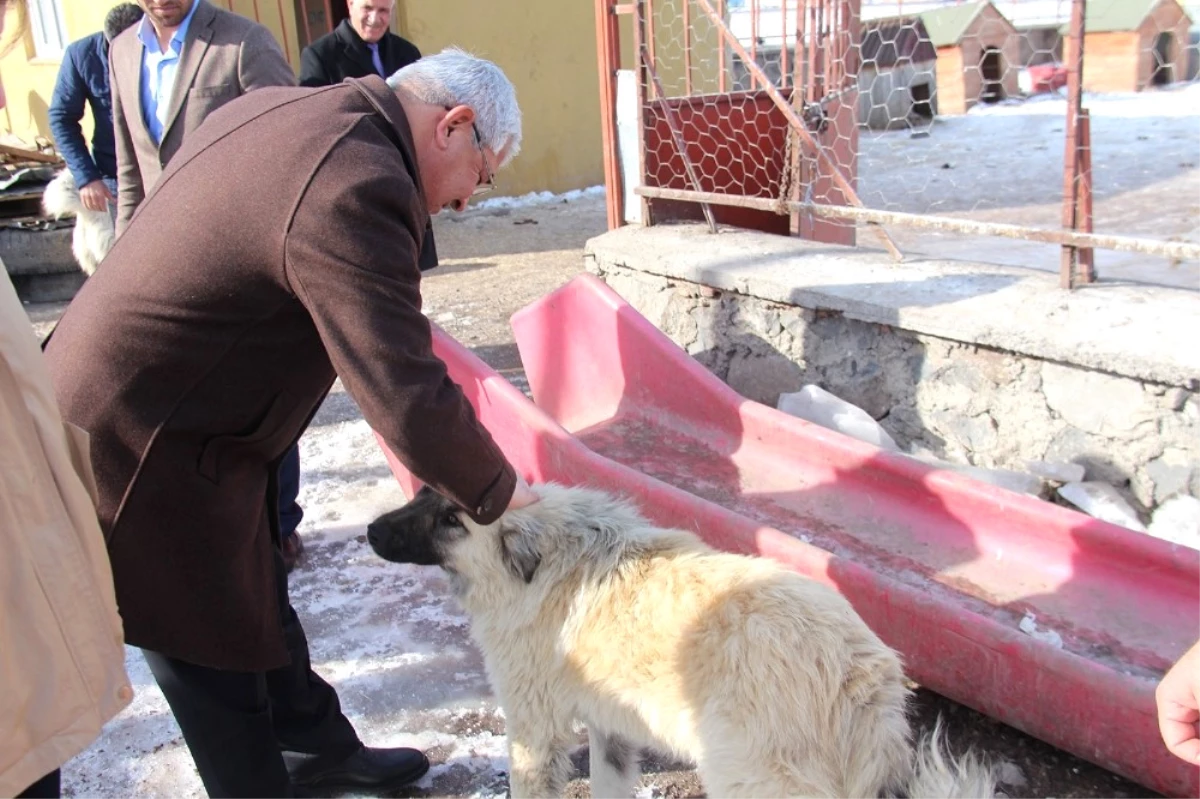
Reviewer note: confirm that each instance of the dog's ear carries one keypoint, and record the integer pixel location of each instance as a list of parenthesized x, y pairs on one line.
[(519, 553)]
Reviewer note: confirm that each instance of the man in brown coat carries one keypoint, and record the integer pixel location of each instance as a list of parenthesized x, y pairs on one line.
[(278, 250), (184, 60)]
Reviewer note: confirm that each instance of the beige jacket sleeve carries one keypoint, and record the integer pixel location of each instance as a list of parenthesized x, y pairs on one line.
[(62, 655)]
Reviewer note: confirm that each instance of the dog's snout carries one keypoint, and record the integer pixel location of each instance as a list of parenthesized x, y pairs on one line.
[(376, 535)]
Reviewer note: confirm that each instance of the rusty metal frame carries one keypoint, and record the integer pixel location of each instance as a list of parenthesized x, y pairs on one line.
[(797, 124), (1167, 249), (608, 54), (1068, 275)]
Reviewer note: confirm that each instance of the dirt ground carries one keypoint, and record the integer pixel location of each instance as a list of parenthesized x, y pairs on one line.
[(493, 263)]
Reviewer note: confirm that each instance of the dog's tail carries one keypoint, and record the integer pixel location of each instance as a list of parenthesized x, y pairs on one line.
[(938, 775), (61, 197)]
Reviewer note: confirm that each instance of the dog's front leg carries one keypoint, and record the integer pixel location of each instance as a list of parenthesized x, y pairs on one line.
[(538, 754), (614, 765)]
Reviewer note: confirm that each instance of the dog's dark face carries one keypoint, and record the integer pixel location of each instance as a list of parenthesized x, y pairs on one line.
[(433, 531), (420, 532)]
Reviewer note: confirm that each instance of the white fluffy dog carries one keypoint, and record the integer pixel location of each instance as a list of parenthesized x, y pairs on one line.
[(769, 682), (94, 230)]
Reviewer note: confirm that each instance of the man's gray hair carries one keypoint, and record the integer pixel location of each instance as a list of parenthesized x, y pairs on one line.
[(455, 77)]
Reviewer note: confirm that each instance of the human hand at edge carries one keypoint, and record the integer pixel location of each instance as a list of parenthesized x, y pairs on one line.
[(522, 495), (95, 196), (1178, 698)]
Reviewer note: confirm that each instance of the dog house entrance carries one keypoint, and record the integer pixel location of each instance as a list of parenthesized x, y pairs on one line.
[(1161, 68), (922, 97), (991, 66)]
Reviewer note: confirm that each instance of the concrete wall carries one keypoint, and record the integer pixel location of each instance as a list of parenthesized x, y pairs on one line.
[(991, 406)]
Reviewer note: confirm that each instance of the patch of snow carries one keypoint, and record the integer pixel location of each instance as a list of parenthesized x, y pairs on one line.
[(1178, 520), (1028, 625), (1102, 501), (540, 198), (818, 406)]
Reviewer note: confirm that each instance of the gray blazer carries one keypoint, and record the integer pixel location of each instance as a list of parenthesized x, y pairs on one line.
[(224, 56)]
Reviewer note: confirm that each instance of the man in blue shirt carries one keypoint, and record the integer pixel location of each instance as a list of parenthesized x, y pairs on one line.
[(83, 82), (186, 59)]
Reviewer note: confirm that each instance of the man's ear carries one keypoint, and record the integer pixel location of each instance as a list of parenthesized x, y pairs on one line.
[(518, 552), (460, 117)]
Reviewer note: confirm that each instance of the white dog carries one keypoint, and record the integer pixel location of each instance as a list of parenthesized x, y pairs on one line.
[(768, 681), (94, 230)]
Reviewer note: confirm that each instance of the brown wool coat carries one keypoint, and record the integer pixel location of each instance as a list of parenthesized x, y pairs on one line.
[(279, 247)]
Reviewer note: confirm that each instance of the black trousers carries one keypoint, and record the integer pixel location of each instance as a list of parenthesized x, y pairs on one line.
[(290, 512), (238, 724), (48, 787)]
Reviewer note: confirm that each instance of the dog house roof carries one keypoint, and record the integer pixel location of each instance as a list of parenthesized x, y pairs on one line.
[(1110, 16)]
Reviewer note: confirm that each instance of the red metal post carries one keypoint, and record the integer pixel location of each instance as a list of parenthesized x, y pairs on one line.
[(608, 56), (1070, 216)]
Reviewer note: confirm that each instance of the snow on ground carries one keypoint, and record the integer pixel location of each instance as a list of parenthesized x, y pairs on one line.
[(539, 198), (386, 635), (1003, 163)]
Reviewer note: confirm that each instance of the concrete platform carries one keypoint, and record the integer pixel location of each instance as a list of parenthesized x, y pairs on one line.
[(1139, 331)]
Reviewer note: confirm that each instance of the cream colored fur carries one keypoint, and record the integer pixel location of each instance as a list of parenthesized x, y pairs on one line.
[(769, 682), (94, 231)]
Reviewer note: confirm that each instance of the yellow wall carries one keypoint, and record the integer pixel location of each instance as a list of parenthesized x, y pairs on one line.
[(28, 80), (548, 49)]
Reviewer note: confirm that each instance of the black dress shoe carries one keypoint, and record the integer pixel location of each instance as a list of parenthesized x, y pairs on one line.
[(371, 770)]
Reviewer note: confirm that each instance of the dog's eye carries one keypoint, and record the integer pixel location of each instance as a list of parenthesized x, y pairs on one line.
[(450, 519)]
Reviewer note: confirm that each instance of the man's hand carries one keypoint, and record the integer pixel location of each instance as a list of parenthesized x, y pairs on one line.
[(1178, 698), (522, 495), (96, 196)]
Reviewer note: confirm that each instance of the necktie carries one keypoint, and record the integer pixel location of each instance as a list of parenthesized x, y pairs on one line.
[(375, 58)]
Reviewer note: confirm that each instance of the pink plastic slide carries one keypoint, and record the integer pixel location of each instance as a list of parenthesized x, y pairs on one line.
[(1048, 620)]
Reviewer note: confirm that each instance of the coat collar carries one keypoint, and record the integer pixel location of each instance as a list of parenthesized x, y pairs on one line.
[(379, 94)]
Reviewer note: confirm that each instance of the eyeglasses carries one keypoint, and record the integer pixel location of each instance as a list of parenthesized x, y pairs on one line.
[(490, 183)]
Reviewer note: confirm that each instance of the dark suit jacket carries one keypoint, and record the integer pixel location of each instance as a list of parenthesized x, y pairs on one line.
[(343, 54), (197, 356), (224, 55), (83, 81)]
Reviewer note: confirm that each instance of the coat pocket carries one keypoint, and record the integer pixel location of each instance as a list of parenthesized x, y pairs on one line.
[(220, 90), (220, 450)]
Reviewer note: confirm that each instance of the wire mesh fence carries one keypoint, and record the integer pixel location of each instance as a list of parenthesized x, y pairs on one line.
[(824, 118)]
